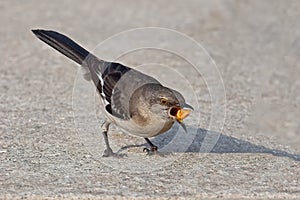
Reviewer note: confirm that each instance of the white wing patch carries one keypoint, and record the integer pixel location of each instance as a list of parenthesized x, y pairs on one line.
[(99, 75)]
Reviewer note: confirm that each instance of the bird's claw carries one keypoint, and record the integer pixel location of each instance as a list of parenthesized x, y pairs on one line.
[(151, 151)]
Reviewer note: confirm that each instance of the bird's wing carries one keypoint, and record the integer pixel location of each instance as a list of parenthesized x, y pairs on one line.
[(116, 83)]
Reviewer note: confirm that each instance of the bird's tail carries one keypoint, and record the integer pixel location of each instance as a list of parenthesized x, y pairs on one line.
[(62, 44)]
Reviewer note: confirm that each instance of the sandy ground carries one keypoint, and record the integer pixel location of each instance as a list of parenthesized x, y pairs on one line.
[(51, 146)]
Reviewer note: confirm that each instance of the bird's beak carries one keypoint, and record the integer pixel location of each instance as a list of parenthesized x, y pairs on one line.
[(185, 105), (179, 114)]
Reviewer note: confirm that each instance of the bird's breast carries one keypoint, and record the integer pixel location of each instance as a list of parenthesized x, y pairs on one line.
[(150, 129)]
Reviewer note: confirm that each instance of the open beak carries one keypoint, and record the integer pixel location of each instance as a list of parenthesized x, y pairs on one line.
[(187, 106), (180, 114)]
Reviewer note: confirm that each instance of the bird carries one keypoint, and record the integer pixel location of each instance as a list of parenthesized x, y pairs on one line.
[(133, 101)]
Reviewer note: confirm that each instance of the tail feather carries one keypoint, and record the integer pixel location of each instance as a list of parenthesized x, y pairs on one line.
[(62, 44)]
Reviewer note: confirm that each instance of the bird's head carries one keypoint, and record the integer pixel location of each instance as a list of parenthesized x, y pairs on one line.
[(164, 103)]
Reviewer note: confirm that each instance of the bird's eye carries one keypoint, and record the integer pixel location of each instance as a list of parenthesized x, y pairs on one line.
[(163, 101)]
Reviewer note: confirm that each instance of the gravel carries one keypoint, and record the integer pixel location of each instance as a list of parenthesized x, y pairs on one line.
[(243, 138)]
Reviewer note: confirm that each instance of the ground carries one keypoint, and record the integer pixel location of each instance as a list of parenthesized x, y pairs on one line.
[(243, 137)]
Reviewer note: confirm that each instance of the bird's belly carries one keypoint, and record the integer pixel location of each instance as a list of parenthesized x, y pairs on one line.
[(149, 130)]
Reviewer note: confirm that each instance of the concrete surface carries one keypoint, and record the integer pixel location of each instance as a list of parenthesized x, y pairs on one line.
[(255, 44)]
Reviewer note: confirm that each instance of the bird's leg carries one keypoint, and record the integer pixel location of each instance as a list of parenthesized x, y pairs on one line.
[(108, 151), (153, 148)]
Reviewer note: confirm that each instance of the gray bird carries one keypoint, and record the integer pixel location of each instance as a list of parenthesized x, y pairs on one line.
[(135, 102)]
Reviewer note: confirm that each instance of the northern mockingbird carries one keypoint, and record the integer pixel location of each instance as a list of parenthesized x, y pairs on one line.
[(135, 102)]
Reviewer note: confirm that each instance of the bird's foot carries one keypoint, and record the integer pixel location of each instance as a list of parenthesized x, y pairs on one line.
[(110, 153), (152, 151)]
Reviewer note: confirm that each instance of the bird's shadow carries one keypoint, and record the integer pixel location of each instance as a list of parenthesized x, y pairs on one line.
[(200, 140)]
